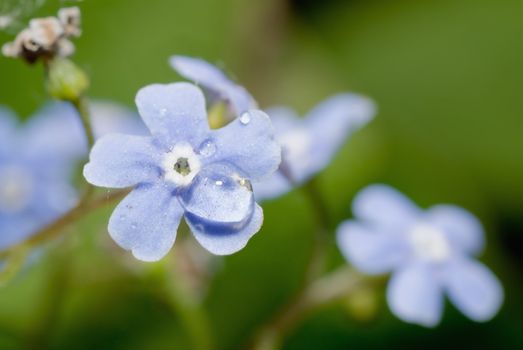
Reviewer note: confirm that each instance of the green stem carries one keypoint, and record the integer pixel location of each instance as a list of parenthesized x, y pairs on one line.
[(187, 307), (323, 291), (54, 228), (82, 107), (272, 334)]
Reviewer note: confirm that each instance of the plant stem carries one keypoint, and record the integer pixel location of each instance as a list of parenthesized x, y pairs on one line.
[(54, 228), (328, 289), (186, 306), (272, 334), (82, 107)]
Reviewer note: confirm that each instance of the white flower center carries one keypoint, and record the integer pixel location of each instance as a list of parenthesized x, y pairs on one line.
[(429, 243), (181, 164), (15, 188)]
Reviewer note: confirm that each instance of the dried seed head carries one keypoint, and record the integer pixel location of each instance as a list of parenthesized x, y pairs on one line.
[(46, 37), (70, 18)]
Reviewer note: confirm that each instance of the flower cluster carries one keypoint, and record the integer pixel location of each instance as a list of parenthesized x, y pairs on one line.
[(46, 37), (430, 253)]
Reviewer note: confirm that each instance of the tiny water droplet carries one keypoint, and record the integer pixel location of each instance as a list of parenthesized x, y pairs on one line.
[(163, 112), (208, 148), (123, 217), (245, 118), (219, 183), (134, 226)]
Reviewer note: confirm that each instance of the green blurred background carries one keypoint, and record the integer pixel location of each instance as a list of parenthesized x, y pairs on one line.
[(447, 76)]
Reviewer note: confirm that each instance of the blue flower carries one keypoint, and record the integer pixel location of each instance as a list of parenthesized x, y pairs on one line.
[(184, 169), (36, 162), (429, 252), (308, 144)]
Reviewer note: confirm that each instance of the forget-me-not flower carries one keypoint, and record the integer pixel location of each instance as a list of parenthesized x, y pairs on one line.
[(308, 144), (184, 169), (36, 162), (431, 254)]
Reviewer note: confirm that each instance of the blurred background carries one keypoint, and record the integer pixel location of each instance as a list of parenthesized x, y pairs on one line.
[(447, 76)]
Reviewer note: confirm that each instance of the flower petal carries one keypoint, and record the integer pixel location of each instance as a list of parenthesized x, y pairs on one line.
[(372, 252), (461, 227), (384, 205), (108, 117), (225, 240), (474, 289), (415, 296), (146, 222), (271, 187), (174, 112), (218, 195), (248, 143), (213, 79), (120, 161), (331, 122), (53, 140)]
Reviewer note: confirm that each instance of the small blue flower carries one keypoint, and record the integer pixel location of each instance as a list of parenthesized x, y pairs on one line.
[(429, 252), (308, 144), (36, 162), (184, 169)]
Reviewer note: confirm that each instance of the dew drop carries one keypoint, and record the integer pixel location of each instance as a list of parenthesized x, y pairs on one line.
[(208, 148), (134, 226), (219, 183), (245, 118), (163, 112)]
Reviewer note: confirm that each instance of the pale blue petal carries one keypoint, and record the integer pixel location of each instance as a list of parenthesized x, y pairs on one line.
[(146, 222), (120, 161), (473, 289), (414, 295), (55, 134), (272, 187), (108, 118), (248, 143), (220, 239), (216, 195), (284, 119), (174, 112), (214, 80), (384, 205), (372, 252), (331, 123), (461, 227)]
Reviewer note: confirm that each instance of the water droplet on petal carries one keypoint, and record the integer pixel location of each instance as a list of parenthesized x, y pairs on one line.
[(208, 148), (245, 118), (219, 183), (163, 112), (134, 226)]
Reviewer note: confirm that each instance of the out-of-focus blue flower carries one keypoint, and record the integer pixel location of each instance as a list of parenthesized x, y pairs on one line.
[(429, 252), (308, 144), (184, 169), (36, 162), (215, 83)]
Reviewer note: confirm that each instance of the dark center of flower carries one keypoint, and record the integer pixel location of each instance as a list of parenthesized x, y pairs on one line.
[(182, 166)]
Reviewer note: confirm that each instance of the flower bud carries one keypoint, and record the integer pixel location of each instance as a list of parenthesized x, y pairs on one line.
[(65, 80)]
